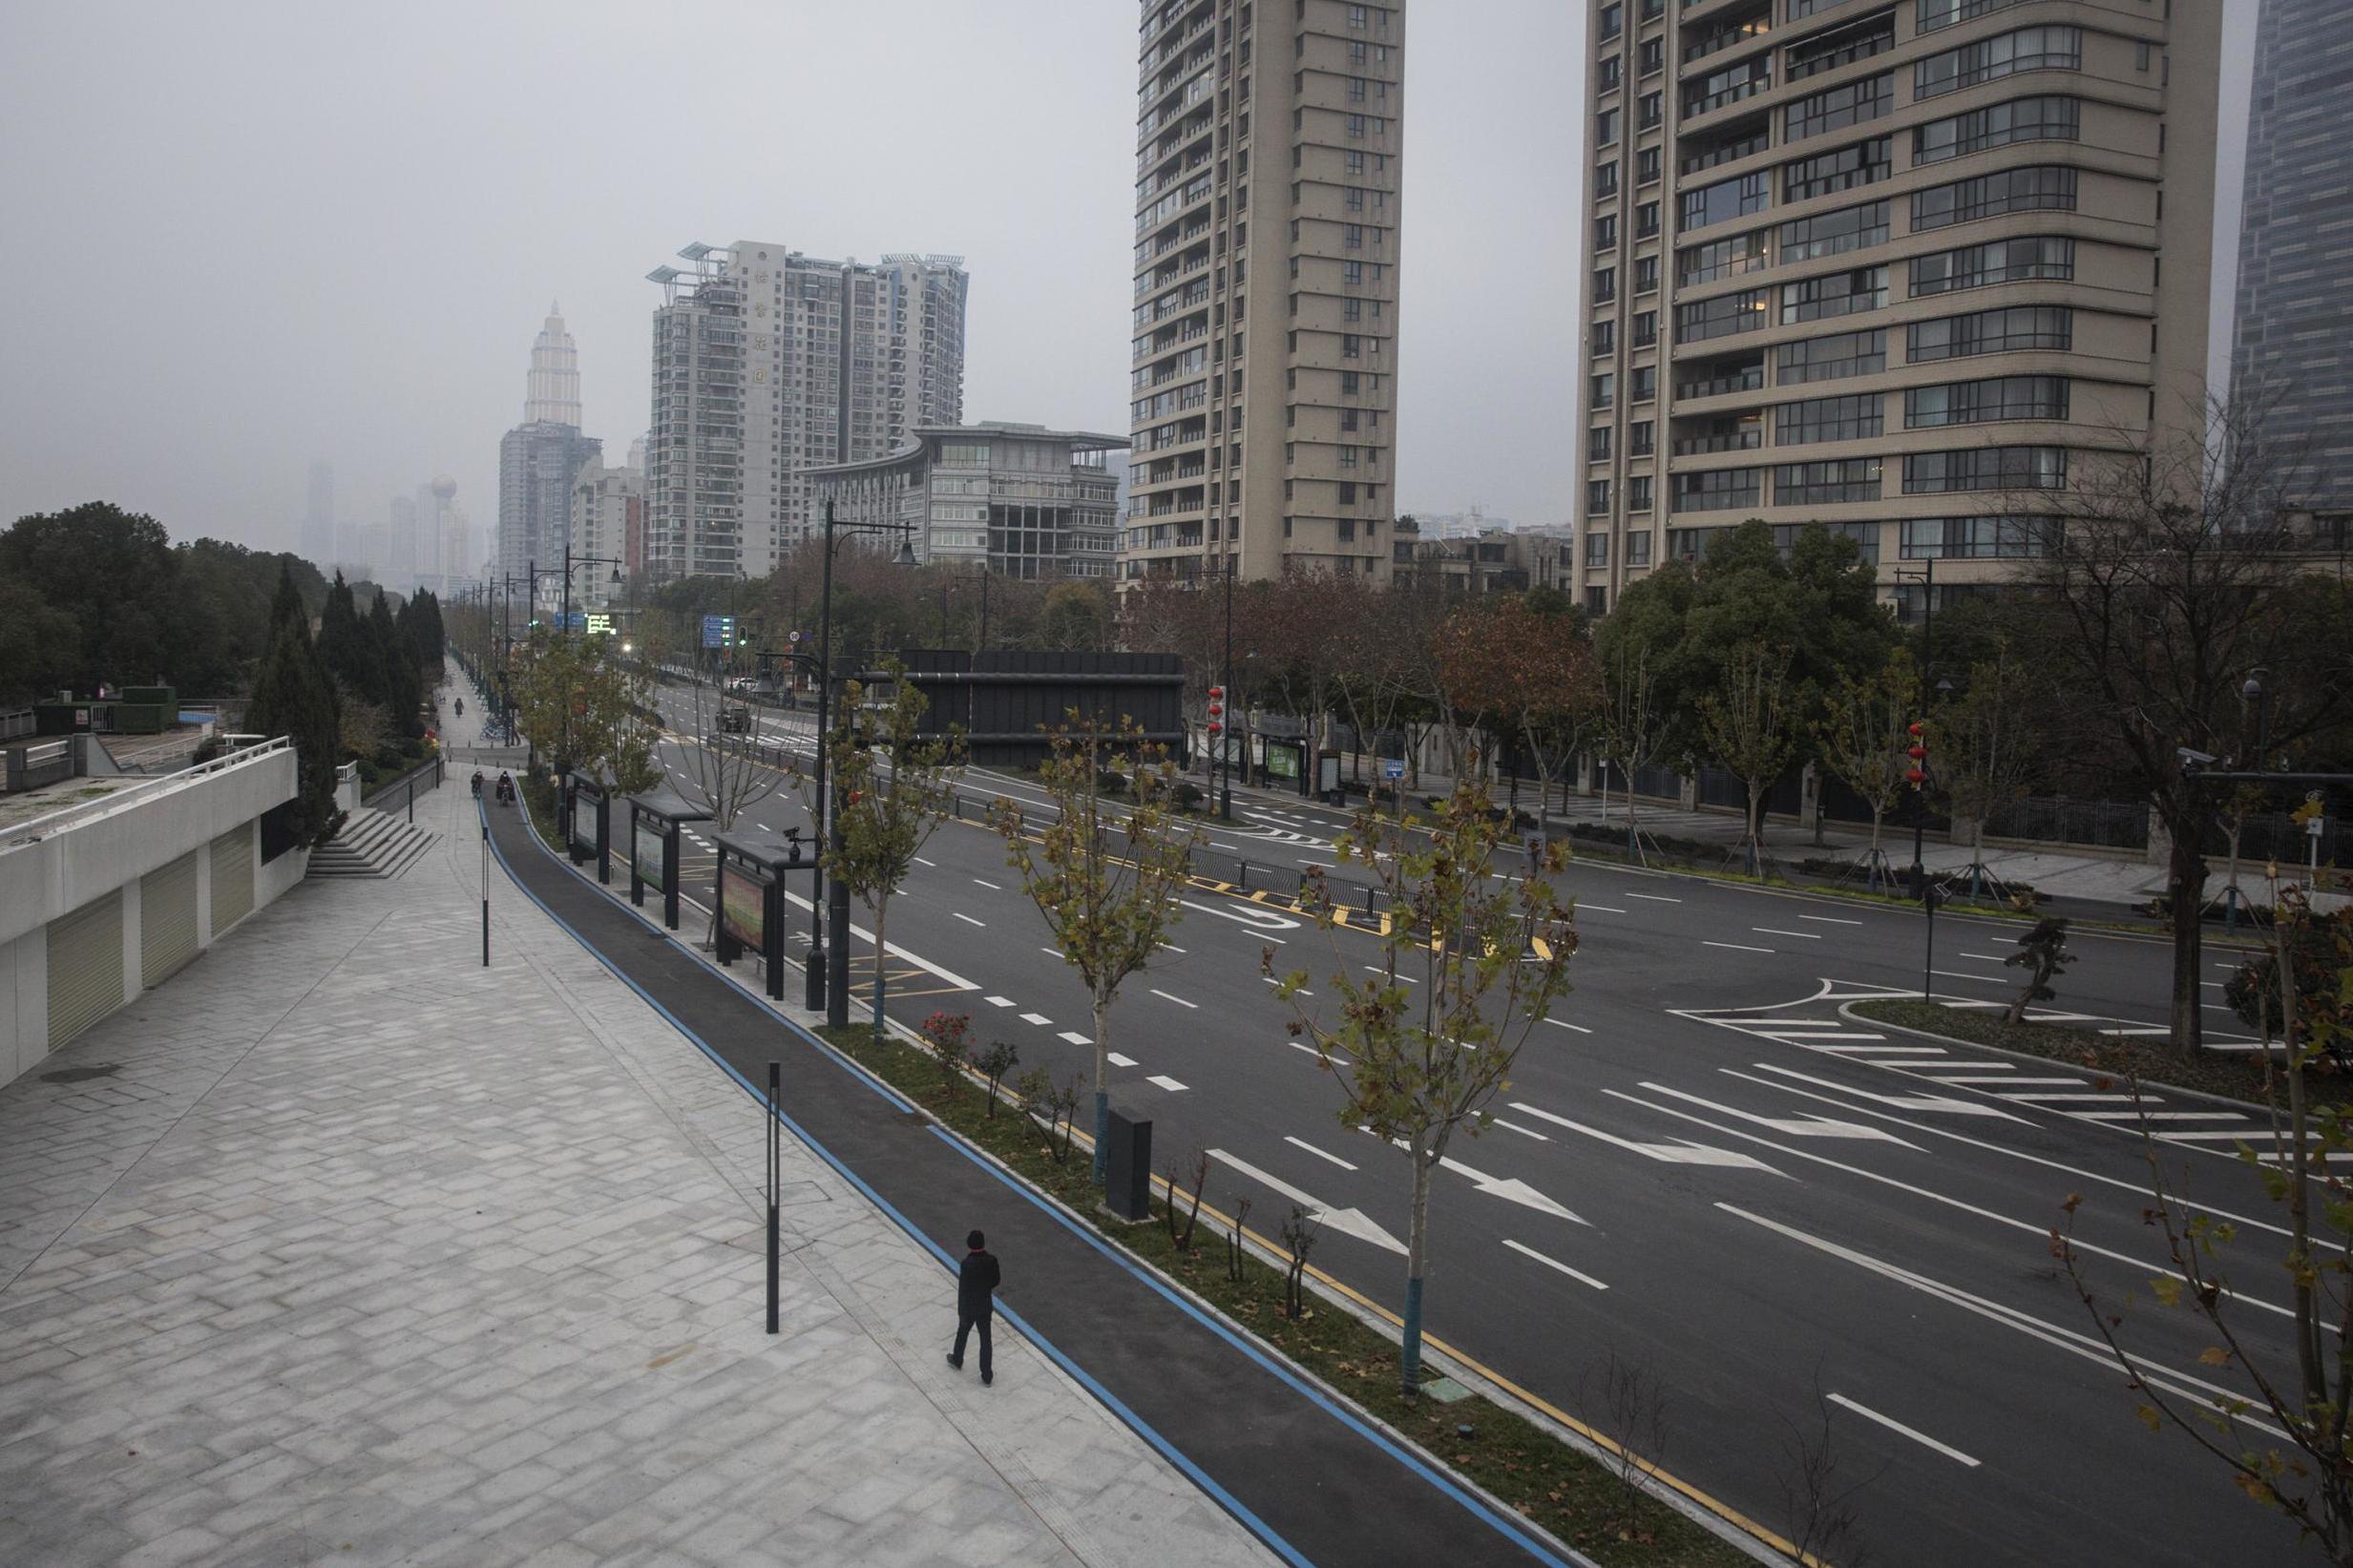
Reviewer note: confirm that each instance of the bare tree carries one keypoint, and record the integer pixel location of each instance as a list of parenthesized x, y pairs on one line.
[(1861, 737), (1633, 727), (1750, 728), (2165, 579), (1989, 746)]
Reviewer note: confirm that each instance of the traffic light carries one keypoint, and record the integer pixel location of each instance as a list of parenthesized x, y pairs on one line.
[(1918, 775), (1217, 710)]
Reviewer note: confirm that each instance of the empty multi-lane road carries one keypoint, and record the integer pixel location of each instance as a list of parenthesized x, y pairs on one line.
[(1795, 1220)]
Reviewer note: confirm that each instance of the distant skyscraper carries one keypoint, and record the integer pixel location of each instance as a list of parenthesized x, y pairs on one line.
[(2292, 350), (318, 541), (767, 363), (538, 458), (552, 394)]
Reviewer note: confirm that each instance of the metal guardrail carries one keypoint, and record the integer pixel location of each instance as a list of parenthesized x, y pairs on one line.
[(137, 794)]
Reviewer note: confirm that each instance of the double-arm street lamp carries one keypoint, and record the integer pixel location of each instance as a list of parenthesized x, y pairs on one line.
[(828, 970)]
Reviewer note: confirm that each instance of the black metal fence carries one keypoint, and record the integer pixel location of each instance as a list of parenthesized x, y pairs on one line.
[(2055, 819)]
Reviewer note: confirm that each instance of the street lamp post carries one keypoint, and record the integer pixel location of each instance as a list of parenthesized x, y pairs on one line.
[(1225, 737)]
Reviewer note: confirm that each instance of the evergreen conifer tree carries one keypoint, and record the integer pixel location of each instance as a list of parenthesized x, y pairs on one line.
[(293, 697)]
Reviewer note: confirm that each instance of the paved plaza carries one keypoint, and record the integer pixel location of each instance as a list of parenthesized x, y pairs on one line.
[(339, 1248)]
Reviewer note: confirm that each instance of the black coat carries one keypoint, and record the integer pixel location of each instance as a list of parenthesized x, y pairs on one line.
[(976, 1279)]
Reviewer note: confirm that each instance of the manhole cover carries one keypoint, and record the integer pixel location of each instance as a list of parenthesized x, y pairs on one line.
[(77, 1075)]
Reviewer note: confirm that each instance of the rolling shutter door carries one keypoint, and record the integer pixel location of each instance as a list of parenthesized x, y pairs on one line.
[(232, 856), (85, 967), (167, 919)]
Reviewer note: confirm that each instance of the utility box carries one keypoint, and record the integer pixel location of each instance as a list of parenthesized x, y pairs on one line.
[(1128, 1186)]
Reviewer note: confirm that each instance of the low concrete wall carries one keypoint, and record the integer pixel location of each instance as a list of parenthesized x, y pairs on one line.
[(48, 872)]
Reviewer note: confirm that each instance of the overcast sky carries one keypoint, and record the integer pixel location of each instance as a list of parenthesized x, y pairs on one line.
[(246, 235)]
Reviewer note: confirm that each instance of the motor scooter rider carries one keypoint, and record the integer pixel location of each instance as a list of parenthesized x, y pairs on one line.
[(506, 787), (461, 707), (477, 783)]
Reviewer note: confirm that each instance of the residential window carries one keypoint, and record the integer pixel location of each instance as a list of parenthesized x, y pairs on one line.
[(1865, 163), (1604, 391), (1750, 252), (2043, 256), (1605, 285), (1604, 179), (1605, 337), (2004, 54), (1638, 545), (1355, 89), (1826, 484), (1646, 329), (1638, 438), (1606, 232), (1929, 15), (1976, 538), (2037, 188), (1644, 380), (1638, 499), (1646, 166), (1833, 294), (1606, 124), (1654, 110), (1837, 108), (2046, 118), (1597, 601), (1834, 358), (1596, 508), (1646, 275), (1986, 467), (1842, 46), (1358, 17), (1351, 311), (2006, 330), (1596, 444), (1351, 347), (1653, 56), (1348, 383), (1835, 233), (1612, 74), (1612, 20), (1726, 200), (1352, 273), (1722, 316), (1850, 418), (1985, 402), (1646, 220), (1729, 85), (1352, 235), (1717, 490)]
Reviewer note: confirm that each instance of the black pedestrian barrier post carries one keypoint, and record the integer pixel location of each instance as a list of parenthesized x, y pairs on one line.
[(413, 799), (485, 817), (776, 1172), (1127, 1187)]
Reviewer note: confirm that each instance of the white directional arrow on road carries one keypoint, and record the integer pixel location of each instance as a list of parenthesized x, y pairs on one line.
[(1348, 1222), (1901, 1102), (1513, 1190), (1680, 1152), (1248, 914), (1804, 1126)]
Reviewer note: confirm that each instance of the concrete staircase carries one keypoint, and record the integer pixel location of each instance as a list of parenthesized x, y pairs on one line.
[(372, 844)]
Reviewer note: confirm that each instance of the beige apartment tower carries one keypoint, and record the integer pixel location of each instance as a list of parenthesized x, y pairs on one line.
[(1889, 267), (1269, 137)]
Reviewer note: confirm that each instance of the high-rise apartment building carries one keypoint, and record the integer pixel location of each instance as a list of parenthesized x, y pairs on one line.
[(2292, 347), (769, 363), (1888, 267), (1011, 500), (608, 524), (1268, 149), (537, 462)]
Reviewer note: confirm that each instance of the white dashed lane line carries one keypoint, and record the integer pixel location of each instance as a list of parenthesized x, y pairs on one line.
[(1655, 898), (1737, 946), (1118, 1060), (1179, 1000), (1579, 1276), (1830, 920), (1774, 931), (990, 886), (932, 864), (1169, 1083), (1038, 1019), (1303, 1144), (1075, 1038), (1000, 1001), (1563, 1023), (968, 919)]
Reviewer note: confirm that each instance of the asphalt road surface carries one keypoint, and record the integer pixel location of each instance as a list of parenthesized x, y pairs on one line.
[(1802, 1228)]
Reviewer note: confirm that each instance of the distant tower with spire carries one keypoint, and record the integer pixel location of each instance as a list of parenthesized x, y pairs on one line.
[(553, 395)]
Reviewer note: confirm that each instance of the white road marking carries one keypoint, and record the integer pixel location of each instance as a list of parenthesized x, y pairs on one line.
[(1682, 1152), (1582, 907), (1179, 1000), (1969, 974), (990, 886), (1655, 898), (1737, 946), (1038, 1019), (2164, 1116), (1161, 1081), (1806, 1126), (968, 919), (1989, 957), (1172, 947), (1776, 930), (2011, 1083), (1554, 1262), (932, 864), (1348, 1222), (924, 964), (1056, 952), (1920, 1437), (1118, 1060), (1000, 1001), (1303, 1144), (1901, 1102), (1074, 1038), (1524, 1132), (1511, 1190), (1563, 1023), (1302, 1045), (2039, 1096), (1830, 920)]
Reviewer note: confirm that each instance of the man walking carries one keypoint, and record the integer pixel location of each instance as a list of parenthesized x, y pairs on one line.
[(977, 1280)]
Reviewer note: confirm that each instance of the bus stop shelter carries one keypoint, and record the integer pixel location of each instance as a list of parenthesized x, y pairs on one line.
[(751, 897), (654, 819), (588, 822)]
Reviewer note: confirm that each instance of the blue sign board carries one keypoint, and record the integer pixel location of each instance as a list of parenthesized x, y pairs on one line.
[(576, 621), (1392, 767), (719, 631)]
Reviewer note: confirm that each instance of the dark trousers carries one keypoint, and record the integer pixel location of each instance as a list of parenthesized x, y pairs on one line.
[(967, 1318)]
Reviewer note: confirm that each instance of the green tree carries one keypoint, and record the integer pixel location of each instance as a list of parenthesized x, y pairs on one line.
[(293, 697), (346, 650), (883, 815), (1749, 726), (1470, 964), (1106, 883), (404, 689), (1076, 615), (1986, 747), (1862, 734), (2042, 953), (581, 698)]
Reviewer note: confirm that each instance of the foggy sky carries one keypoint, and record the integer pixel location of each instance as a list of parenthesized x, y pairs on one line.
[(246, 235)]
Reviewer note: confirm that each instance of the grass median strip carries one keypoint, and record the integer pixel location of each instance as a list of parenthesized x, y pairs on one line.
[(2234, 1075), (1587, 1504)]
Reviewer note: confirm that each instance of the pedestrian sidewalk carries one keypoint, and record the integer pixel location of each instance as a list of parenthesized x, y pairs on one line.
[(341, 1246)]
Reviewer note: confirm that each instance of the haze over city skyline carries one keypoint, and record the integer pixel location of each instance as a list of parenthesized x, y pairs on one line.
[(339, 239)]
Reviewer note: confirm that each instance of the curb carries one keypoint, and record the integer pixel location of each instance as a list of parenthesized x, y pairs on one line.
[(2028, 1057)]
